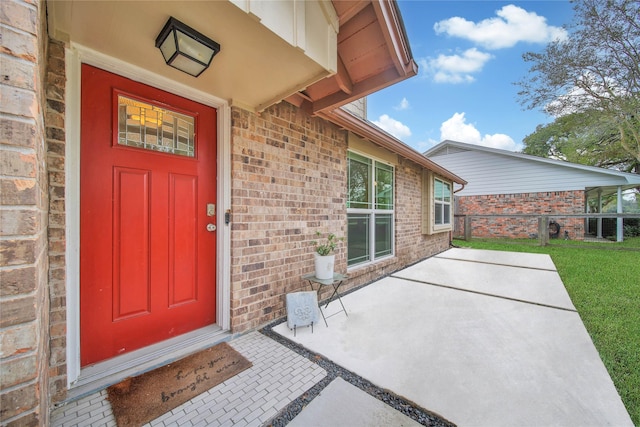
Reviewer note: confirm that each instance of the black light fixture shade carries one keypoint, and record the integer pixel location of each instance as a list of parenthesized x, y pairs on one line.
[(184, 48)]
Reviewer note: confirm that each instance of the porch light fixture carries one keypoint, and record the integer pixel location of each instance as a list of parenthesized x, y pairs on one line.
[(185, 48)]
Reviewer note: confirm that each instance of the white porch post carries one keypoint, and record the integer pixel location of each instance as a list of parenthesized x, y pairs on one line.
[(599, 231), (619, 221)]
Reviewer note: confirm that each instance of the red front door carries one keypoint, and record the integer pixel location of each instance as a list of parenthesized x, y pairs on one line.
[(147, 195)]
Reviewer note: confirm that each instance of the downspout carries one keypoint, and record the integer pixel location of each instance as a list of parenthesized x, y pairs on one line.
[(451, 231)]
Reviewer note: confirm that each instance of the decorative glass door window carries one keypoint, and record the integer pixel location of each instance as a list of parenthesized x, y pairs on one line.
[(147, 126)]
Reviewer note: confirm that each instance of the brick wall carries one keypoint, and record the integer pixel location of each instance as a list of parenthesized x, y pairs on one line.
[(289, 180), (411, 244), (24, 320), (553, 204), (55, 133)]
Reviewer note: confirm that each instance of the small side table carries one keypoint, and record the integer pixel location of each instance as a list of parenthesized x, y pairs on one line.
[(336, 282)]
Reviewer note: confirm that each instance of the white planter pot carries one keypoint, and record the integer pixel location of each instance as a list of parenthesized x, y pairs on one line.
[(324, 266)]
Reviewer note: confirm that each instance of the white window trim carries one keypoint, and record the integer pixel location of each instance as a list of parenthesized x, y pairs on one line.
[(428, 204), (372, 213), (442, 203), (76, 55)]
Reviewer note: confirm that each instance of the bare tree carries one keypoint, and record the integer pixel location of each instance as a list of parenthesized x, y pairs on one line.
[(595, 72)]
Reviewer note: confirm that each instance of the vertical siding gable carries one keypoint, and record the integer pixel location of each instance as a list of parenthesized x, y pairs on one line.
[(446, 150)]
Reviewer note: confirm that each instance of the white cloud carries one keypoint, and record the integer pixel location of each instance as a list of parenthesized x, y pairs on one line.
[(404, 105), (512, 25), (423, 146), (393, 126), (456, 68), (457, 129)]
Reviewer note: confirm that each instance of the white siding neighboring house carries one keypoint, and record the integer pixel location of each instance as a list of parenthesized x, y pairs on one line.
[(504, 182)]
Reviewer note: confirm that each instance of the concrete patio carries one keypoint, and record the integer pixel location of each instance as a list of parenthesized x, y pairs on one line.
[(481, 338)]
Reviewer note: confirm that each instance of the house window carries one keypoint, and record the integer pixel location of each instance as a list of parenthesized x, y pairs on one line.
[(370, 212), (442, 202), (437, 204)]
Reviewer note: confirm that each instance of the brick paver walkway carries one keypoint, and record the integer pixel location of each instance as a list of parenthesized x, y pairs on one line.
[(253, 397)]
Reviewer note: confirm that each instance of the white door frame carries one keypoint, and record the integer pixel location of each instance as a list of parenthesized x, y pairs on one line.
[(75, 56)]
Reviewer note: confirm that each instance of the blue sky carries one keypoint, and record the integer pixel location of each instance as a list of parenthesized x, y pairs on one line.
[(469, 55)]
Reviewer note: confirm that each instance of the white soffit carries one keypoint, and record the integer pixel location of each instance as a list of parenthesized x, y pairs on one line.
[(269, 50)]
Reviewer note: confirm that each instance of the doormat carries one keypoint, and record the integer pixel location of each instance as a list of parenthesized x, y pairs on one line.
[(138, 400)]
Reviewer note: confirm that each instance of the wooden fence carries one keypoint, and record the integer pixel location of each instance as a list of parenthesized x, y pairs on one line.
[(541, 227)]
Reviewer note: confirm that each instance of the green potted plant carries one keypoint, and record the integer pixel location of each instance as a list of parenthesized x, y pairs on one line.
[(324, 256)]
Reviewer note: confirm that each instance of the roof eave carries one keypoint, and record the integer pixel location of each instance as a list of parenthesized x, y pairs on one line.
[(398, 67), (631, 178), (370, 132)]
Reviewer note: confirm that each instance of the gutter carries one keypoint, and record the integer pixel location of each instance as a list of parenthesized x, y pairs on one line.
[(459, 189)]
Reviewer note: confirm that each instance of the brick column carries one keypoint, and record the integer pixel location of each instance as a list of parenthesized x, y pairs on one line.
[(24, 320), (56, 137)]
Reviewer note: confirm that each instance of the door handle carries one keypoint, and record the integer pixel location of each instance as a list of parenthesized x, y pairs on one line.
[(211, 227)]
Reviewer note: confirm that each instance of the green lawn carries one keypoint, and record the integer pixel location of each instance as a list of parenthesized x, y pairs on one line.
[(603, 280)]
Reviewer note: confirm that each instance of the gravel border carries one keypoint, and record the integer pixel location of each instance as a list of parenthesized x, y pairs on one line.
[(410, 409)]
